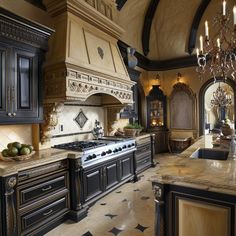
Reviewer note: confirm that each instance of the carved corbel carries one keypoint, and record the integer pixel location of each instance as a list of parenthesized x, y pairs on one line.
[(9, 207), (51, 111)]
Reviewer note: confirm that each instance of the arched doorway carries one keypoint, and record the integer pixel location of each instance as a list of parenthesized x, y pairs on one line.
[(204, 88)]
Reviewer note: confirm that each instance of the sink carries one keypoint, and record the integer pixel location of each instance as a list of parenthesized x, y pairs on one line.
[(209, 153)]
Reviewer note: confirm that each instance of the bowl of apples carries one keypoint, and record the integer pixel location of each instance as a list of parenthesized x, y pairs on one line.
[(17, 151)]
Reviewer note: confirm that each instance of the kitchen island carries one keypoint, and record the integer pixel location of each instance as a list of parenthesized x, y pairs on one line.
[(195, 196)]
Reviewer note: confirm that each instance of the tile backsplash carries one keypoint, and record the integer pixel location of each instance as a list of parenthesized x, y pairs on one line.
[(68, 126), (13, 133)]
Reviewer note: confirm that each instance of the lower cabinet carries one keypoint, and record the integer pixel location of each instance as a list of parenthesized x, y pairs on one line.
[(183, 211), (101, 178), (161, 140), (42, 198), (144, 153)]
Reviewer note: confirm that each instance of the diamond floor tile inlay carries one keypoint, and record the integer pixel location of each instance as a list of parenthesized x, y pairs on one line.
[(87, 234), (110, 215), (115, 231), (140, 227)]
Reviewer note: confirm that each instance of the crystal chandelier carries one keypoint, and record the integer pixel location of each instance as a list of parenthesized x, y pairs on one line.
[(216, 56), (221, 98)]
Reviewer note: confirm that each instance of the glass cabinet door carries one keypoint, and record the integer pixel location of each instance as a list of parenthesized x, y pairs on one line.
[(156, 113)]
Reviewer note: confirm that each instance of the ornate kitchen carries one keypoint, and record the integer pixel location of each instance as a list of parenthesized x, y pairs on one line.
[(117, 117)]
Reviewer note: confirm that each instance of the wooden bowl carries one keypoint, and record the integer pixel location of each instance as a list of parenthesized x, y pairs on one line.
[(17, 158)]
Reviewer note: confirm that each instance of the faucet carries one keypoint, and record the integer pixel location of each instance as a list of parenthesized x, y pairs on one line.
[(232, 148)]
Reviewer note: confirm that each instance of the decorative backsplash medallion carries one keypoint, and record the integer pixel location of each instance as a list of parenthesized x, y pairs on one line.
[(81, 119)]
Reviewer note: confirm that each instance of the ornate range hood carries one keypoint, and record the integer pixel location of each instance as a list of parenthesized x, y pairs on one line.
[(84, 58)]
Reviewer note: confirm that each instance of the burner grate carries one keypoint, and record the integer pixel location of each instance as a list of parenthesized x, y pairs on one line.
[(80, 145)]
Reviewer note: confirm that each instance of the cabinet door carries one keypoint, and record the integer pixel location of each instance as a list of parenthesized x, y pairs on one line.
[(161, 141), (24, 92), (126, 167), (92, 183), (111, 174)]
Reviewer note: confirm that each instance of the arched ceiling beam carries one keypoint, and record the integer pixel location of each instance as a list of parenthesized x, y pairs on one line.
[(147, 25), (195, 24), (120, 4)]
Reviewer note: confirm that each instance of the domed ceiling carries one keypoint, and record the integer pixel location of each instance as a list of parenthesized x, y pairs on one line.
[(173, 23)]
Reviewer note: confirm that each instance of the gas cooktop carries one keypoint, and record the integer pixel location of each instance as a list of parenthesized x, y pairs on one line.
[(80, 145)]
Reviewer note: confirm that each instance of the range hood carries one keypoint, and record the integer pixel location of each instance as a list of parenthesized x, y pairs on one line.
[(84, 58)]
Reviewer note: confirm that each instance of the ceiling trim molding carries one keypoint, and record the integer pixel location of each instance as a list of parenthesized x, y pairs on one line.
[(147, 25), (158, 65), (195, 25), (120, 4), (37, 3)]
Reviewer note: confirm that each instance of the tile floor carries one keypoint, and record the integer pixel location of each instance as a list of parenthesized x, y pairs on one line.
[(127, 211)]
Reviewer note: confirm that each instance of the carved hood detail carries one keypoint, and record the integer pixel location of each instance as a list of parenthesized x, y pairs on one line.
[(84, 58)]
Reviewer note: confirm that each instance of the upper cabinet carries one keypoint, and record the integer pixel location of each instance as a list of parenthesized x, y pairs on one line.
[(22, 48), (156, 108)]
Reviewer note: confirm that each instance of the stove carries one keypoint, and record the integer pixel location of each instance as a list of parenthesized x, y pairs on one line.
[(103, 149)]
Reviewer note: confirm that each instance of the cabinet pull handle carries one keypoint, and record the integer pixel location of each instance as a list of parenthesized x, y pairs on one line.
[(13, 114), (48, 213), (46, 189), (13, 93), (8, 95), (9, 114)]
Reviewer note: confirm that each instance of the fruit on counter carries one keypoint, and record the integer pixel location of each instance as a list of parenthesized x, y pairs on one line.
[(16, 148)]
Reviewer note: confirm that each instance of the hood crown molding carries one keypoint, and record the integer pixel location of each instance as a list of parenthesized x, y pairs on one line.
[(100, 14)]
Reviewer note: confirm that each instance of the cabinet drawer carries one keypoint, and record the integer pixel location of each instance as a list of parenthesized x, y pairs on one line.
[(143, 149), (143, 163), (37, 216), (142, 155), (42, 170), (37, 190)]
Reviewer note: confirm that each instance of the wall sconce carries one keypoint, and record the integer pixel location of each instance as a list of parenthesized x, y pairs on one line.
[(179, 76), (158, 79)]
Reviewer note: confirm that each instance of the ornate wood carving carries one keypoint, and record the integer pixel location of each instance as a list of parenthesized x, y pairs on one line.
[(51, 111), (147, 25), (17, 28), (195, 24), (68, 84), (9, 184)]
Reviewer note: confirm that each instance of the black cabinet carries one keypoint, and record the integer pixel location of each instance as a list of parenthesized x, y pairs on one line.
[(92, 183), (157, 118), (104, 177), (20, 98), (22, 47)]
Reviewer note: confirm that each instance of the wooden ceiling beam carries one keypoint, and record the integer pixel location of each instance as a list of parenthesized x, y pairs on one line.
[(147, 25), (195, 24), (120, 4)]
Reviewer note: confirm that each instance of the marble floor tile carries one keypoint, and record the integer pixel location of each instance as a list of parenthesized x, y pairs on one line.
[(127, 211)]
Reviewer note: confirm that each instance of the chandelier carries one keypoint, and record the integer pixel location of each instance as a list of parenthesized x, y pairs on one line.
[(216, 55), (221, 98)]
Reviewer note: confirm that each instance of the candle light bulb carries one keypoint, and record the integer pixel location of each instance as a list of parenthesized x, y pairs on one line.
[(201, 44), (234, 13), (224, 8), (218, 43), (197, 51), (206, 29)]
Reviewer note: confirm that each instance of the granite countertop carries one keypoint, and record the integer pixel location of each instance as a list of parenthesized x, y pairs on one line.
[(211, 175), (41, 157)]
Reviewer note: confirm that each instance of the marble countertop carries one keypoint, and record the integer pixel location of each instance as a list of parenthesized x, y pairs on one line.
[(211, 175), (41, 157)]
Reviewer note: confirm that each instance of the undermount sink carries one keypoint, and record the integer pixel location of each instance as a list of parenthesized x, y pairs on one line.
[(209, 153)]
